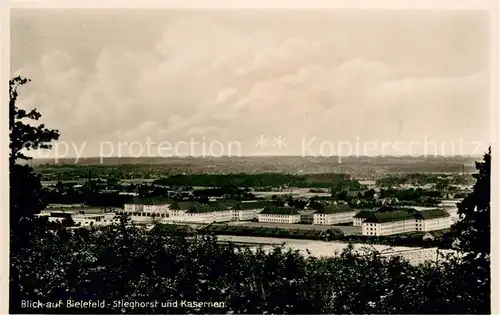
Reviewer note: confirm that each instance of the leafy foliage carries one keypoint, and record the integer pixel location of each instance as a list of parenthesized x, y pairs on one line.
[(23, 135), (25, 193), (473, 235), (25, 187), (120, 262), (474, 227)]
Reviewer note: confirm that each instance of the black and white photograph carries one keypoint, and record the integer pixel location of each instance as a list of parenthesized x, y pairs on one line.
[(253, 160)]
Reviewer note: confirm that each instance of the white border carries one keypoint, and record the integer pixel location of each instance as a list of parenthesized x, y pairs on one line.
[(492, 6)]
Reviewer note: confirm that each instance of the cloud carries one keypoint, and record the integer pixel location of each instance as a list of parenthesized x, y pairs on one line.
[(204, 76), (56, 62)]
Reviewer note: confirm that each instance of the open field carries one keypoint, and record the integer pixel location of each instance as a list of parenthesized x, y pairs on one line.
[(415, 255), (293, 191)]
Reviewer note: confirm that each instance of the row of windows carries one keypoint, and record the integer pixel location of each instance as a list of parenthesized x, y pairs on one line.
[(343, 214), (275, 220), (391, 225), (146, 214), (380, 233), (396, 228), (394, 231), (432, 221)]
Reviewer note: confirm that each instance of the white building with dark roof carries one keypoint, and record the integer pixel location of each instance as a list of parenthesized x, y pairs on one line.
[(195, 212), (246, 211), (307, 216), (151, 205), (404, 220), (361, 216), (381, 223), (432, 220), (334, 214), (279, 215)]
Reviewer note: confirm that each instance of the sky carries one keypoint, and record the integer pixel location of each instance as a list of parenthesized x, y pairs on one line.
[(167, 82)]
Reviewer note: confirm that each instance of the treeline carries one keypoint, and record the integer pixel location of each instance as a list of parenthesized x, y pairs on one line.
[(420, 196), (92, 198), (228, 191), (440, 181), (254, 180), (133, 265), (428, 166), (65, 172), (358, 165)]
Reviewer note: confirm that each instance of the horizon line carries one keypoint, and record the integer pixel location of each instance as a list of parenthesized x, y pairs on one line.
[(260, 156)]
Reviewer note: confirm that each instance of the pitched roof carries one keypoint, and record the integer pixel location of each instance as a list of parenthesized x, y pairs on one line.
[(182, 205), (306, 212), (363, 214), (335, 209), (251, 205), (390, 216), (387, 209), (201, 208), (280, 210), (228, 203), (152, 201), (196, 207), (432, 214)]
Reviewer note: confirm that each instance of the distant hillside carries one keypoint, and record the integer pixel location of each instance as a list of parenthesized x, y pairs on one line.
[(359, 167), (253, 180)]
